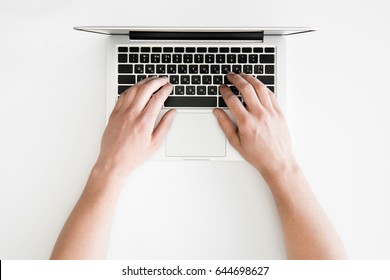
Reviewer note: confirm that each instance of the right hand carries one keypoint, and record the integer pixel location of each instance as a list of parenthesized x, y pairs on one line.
[(261, 135)]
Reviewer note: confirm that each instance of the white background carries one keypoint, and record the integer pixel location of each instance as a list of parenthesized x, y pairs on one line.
[(52, 88)]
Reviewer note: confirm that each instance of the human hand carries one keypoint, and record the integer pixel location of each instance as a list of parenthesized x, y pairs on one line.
[(261, 135), (130, 138)]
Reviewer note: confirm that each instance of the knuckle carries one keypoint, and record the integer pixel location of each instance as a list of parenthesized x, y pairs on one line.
[(247, 87)]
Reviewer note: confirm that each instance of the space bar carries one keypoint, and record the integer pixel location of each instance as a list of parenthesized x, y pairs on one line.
[(174, 101)]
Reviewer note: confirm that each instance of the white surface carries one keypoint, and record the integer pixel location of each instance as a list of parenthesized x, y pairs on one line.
[(52, 117)]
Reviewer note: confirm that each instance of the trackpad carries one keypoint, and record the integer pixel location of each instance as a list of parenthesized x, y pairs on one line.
[(195, 135)]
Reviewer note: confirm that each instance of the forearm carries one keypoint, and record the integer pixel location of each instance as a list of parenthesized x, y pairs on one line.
[(308, 232), (86, 233)]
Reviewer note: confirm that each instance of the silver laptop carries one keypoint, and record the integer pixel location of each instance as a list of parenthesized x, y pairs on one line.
[(196, 61)]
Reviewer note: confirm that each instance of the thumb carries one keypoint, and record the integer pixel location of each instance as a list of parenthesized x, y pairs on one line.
[(162, 128), (228, 127)]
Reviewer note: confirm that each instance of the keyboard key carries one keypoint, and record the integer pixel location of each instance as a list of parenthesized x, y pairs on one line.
[(190, 50), (133, 58), (201, 50), (206, 80), (257, 50), (182, 69), (190, 90), (248, 69), (166, 58), (123, 49), (236, 69), (155, 58), (220, 58), (122, 58), (253, 58), (223, 50), (204, 69), (195, 80), (149, 68), (195, 101), (171, 69), (242, 58), (126, 79), (193, 69), (138, 68), (179, 90), (168, 49), (187, 58), (121, 89), (217, 80), (246, 50), (235, 50), (176, 58), (201, 90), (225, 69), (226, 81), (258, 69), (269, 69), (221, 102), (215, 69), (269, 50), (174, 79), (156, 49), (160, 69), (125, 68), (271, 88), (140, 78), (231, 58), (144, 58), (267, 58), (212, 90), (198, 58), (234, 90), (145, 49), (267, 80), (134, 49), (209, 58), (213, 50), (179, 49), (185, 79)]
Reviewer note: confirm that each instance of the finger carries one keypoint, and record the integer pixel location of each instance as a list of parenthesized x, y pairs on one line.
[(145, 91), (260, 89), (119, 102), (162, 128), (238, 110), (274, 101), (228, 127), (246, 89), (132, 92), (157, 100)]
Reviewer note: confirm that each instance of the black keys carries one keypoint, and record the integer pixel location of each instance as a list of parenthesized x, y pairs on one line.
[(231, 58), (122, 58), (258, 69), (201, 90), (190, 50), (267, 58), (206, 79), (271, 88), (209, 58), (223, 50), (182, 69), (168, 49), (246, 50), (123, 49), (191, 101), (179, 90), (156, 49), (225, 68), (166, 58), (237, 68), (140, 78), (201, 50), (193, 69), (190, 90), (247, 69), (121, 89), (187, 58), (177, 58), (174, 79), (269, 69), (220, 58), (133, 58), (234, 90), (212, 90), (215, 69), (204, 69), (125, 68), (213, 50), (257, 50), (145, 49), (139, 69), (269, 50), (198, 58), (242, 58), (253, 58), (155, 58), (267, 80), (221, 102), (134, 49), (160, 69), (179, 49), (235, 50), (195, 80), (171, 69), (185, 79), (144, 58), (149, 68), (217, 80), (126, 79)]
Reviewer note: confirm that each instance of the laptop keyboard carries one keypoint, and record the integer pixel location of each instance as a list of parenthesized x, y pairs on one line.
[(195, 72)]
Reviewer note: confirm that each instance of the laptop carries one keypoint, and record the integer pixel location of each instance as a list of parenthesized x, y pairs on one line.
[(196, 60)]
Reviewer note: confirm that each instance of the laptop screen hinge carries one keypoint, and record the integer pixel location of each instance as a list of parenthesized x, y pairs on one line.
[(197, 35)]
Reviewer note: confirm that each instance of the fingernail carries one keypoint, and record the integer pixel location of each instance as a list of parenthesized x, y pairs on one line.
[(216, 113), (230, 73)]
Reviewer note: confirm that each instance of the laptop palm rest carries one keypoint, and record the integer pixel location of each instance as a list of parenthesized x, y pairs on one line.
[(195, 135)]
